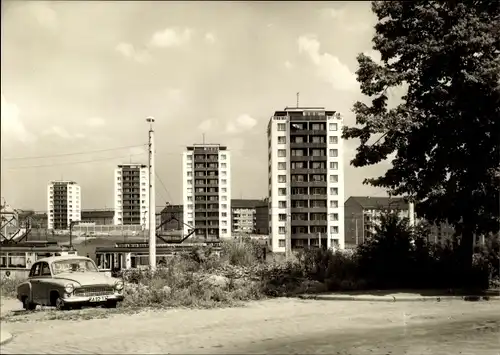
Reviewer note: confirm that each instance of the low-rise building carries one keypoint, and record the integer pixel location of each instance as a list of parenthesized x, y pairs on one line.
[(102, 217), (243, 215)]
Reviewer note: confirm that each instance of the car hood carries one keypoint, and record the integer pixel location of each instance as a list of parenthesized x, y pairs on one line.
[(87, 279)]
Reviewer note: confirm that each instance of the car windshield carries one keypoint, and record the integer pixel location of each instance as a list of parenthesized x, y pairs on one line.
[(73, 265)]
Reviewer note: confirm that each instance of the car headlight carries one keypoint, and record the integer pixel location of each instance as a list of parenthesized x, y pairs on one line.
[(69, 288), (119, 285)]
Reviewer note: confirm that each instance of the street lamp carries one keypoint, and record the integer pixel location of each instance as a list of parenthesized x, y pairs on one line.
[(152, 204)]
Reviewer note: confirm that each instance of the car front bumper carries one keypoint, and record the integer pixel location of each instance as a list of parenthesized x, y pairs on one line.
[(90, 300)]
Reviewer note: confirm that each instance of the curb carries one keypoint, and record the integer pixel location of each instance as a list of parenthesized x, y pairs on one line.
[(397, 299), (5, 337)]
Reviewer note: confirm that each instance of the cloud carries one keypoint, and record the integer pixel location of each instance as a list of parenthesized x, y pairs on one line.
[(288, 65), (62, 133), (96, 122), (12, 126), (332, 13), (210, 37), (242, 123), (43, 14), (128, 51), (328, 67), (205, 125), (171, 37), (373, 54)]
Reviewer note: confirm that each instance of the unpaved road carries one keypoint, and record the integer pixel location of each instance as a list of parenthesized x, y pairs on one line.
[(277, 326)]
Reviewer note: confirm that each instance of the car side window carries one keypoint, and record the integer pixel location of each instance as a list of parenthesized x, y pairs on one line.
[(35, 270), (45, 269)]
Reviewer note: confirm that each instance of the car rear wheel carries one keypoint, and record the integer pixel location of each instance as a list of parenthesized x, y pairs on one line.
[(27, 305)]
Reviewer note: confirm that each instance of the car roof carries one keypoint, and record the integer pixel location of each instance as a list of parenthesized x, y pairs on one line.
[(52, 259)]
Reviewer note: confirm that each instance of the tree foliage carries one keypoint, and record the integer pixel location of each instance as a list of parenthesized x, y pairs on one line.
[(445, 133)]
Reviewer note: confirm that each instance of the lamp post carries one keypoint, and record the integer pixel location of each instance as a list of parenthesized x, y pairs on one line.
[(152, 204)]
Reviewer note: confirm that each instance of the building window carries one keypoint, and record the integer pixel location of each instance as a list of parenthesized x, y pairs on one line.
[(281, 178), (190, 206), (334, 191), (281, 127), (334, 178), (333, 127), (334, 204), (282, 217), (223, 181), (281, 192), (281, 230), (189, 165), (190, 198), (224, 214), (334, 230), (334, 153), (281, 204), (189, 157), (224, 231), (223, 157), (223, 165), (334, 140), (224, 190), (190, 182), (190, 214), (282, 140), (189, 190), (224, 223), (334, 165), (281, 153), (281, 243), (334, 216), (224, 206), (223, 173), (223, 198), (189, 173), (282, 166)]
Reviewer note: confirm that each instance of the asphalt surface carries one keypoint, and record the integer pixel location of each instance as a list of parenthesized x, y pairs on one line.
[(272, 327)]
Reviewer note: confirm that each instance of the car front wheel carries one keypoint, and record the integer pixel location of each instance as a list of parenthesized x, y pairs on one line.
[(61, 305)]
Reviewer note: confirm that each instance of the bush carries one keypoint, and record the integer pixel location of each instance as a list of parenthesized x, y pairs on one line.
[(8, 287)]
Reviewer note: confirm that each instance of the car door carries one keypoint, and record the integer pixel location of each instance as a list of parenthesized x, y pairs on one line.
[(35, 282), (45, 283)]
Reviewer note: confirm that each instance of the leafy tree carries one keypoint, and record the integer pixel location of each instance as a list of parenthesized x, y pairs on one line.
[(445, 133)]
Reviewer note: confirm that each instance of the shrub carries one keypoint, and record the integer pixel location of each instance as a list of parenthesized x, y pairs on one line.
[(8, 286)]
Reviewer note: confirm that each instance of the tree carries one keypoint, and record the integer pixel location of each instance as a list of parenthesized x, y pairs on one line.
[(445, 133)]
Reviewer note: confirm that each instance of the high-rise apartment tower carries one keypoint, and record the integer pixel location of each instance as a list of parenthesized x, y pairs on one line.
[(206, 170), (306, 179), (64, 201), (131, 195)]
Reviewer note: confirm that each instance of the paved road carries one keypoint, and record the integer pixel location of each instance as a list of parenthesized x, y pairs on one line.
[(276, 326)]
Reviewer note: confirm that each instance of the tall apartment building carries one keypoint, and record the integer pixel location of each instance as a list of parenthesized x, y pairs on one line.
[(306, 179), (132, 195), (206, 170), (64, 203)]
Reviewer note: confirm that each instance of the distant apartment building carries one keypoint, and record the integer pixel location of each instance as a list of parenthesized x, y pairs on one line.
[(262, 218), (362, 216), (131, 184), (206, 170), (172, 217), (306, 179), (104, 217), (63, 204), (243, 214)]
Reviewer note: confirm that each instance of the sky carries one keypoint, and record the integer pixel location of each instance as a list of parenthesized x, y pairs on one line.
[(79, 79)]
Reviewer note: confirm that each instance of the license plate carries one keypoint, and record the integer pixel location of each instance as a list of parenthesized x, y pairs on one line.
[(98, 298)]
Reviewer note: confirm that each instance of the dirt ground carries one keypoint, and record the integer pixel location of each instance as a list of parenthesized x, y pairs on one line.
[(273, 326)]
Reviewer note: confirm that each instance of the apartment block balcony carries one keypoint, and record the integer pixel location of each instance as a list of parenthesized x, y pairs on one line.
[(308, 145), (308, 210)]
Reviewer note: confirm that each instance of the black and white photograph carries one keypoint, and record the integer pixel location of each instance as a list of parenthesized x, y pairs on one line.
[(250, 177)]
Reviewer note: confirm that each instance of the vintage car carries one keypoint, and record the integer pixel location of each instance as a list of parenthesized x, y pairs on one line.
[(69, 282)]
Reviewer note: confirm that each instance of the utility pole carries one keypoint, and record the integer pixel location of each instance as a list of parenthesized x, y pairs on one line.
[(319, 239), (357, 234), (297, 100), (152, 202)]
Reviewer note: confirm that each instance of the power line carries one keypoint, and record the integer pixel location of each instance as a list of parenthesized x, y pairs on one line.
[(76, 153), (164, 187), (72, 163)]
